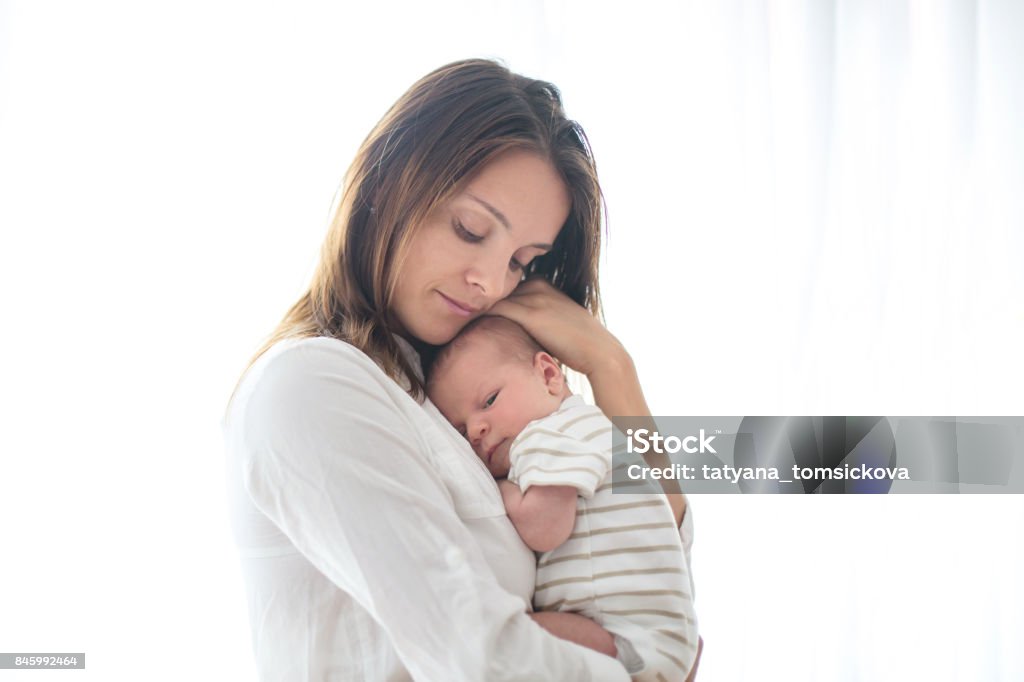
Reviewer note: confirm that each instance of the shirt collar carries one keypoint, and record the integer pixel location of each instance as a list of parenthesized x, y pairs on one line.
[(572, 401), (410, 355)]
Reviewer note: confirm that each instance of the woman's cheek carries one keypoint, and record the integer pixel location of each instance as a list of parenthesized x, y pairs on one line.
[(512, 280)]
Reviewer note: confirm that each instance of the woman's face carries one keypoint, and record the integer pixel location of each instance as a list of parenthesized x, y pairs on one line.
[(470, 253)]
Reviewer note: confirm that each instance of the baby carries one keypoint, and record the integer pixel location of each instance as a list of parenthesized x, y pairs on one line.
[(616, 559)]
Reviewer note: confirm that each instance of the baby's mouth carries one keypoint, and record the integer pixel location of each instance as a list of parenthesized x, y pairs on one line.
[(492, 450)]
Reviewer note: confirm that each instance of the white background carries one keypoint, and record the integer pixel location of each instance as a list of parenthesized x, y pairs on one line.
[(814, 209)]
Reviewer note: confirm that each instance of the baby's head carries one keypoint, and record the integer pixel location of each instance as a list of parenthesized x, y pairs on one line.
[(490, 382)]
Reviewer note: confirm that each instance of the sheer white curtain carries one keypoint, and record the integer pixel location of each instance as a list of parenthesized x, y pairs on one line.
[(833, 188), (815, 209)]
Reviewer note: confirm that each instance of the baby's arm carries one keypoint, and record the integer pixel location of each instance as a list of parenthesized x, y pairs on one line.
[(544, 515)]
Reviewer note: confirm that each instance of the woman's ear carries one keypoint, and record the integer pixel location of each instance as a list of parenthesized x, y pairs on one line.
[(550, 371)]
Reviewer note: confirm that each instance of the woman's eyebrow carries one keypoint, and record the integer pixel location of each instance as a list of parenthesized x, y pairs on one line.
[(492, 210), (502, 219)]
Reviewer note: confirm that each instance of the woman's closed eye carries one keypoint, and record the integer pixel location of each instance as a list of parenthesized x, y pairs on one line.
[(465, 234), (468, 235)]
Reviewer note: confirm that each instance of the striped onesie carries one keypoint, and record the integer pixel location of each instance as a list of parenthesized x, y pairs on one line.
[(624, 565)]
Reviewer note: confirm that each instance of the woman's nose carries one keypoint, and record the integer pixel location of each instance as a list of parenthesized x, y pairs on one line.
[(489, 276)]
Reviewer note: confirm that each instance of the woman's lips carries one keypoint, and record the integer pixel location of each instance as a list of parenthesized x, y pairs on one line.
[(458, 307)]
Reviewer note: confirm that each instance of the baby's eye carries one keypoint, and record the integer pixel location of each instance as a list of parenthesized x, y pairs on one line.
[(490, 401)]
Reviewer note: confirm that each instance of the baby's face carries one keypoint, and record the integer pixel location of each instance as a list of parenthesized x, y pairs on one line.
[(490, 397)]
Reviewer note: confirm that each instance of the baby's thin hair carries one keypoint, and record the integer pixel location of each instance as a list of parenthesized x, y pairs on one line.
[(515, 341)]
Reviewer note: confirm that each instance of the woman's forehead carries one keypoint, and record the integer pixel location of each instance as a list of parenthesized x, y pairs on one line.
[(520, 190)]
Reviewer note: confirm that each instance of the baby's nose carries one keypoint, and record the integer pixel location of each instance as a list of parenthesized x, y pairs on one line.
[(477, 430)]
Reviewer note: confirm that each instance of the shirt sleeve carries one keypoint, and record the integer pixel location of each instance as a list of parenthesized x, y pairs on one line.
[(332, 460), (546, 456)]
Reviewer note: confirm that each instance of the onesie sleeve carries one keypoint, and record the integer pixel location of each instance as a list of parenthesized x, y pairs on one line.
[(333, 461), (550, 453)]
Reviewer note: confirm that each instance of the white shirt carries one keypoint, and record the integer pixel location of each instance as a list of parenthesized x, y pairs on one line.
[(373, 541)]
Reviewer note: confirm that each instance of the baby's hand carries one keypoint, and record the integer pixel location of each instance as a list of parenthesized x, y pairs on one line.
[(543, 516), (510, 493)]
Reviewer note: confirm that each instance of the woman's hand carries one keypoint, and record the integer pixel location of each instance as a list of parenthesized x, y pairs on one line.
[(564, 328), (568, 331)]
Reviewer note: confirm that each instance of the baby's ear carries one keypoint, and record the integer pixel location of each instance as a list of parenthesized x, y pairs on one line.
[(550, 370)]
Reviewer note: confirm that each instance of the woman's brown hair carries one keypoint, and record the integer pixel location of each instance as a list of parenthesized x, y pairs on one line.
[(440, 133)]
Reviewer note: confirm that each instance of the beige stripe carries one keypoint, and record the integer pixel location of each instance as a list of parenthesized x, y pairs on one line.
[(618, 507), (610, 574), (556, 606), (627, 483), (557, 471), (609, 552), (637, 571), (570, 557), (628, 463), (558, 453), (564, 602), (583, 417), (563, 581), (651, 612), (538, 430), (676, 636), (643, 593), (660, 678), (623, 529), (638, 593), (682, 666), (595, 434)]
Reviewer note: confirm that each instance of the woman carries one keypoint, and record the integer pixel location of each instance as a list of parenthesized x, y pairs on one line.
[(374, 543)]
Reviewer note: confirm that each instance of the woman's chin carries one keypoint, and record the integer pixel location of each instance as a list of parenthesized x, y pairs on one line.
[(440, 334)]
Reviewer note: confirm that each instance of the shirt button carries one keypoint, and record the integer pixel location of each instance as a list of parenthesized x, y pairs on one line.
[(455, 557)]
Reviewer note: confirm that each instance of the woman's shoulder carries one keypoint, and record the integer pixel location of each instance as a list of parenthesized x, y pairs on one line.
[(311, 354), (296, 372), (309, 359)]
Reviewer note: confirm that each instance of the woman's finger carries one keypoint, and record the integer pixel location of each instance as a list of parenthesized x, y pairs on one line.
[(563, 327)]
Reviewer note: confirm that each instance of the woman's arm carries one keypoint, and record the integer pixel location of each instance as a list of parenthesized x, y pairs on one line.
[(331, 458), (569, 332)]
